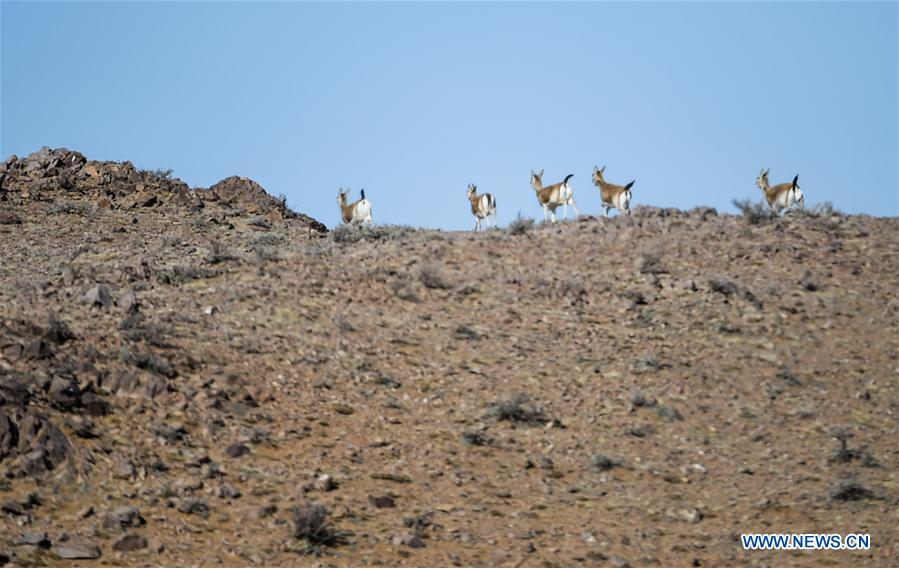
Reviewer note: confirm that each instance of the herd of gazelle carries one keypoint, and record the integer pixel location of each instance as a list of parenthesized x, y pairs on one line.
[(551, 197)]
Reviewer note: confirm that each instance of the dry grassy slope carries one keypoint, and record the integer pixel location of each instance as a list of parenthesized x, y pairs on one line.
[(715, 412)]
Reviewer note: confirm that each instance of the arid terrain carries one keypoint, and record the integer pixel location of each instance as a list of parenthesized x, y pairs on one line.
[(186, 373)]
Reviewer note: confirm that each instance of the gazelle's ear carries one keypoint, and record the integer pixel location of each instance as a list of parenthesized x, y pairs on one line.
[(603, 169), (768, 171), (541, 173), (595, 169)]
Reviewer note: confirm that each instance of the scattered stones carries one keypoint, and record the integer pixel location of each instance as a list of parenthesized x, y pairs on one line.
[(123, 517), (127, 302), (411, 540), (123, 468), (77, 549), (236, 450), (98, 296), (382, 501), (193, 506), (129, 542), (266, 511), (690, 515), (38, 539)]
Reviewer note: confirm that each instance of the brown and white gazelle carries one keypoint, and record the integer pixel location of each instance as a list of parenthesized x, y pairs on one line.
[(482, 206), (782, 195), (612, 196), (355, 213), (553, 196)]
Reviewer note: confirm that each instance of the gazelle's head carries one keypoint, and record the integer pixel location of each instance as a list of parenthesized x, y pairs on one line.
[(537, 179), (341, 197), (597, 175), (762, 180), (472, 189)]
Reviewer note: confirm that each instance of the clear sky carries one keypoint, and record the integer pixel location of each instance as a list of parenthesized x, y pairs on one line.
[(412, 101)]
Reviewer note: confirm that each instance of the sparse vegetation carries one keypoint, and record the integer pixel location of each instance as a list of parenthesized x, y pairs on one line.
[(159, 173), (845, 454), (602, 462), (650, 262), (850, 489), (267, 240), (171, 241), (521, 225), (311, 523), (517, 409), (181, 274), (148, 362), (259, 221), (135, 328), (71, 208), (819, 210), (218, 253), (475, 438), (754, 213), (432, 277), (355, 233)]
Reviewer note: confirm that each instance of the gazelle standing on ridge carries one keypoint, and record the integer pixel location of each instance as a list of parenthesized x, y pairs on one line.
[(552, 197), (612, 196), (355, 213), (781, 195), (482, 206)]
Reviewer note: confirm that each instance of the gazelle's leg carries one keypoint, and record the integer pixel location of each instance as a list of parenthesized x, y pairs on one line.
[(553, 214), (544, 214), (574, 204)]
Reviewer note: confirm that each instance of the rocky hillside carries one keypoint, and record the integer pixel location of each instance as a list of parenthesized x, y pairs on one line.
[(190, 376)]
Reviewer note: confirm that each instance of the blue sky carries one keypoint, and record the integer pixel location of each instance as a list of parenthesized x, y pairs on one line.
[(412, 101)]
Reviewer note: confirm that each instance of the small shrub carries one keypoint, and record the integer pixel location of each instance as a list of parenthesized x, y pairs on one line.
[(432, 277), (849, 489), (171, 241), (521, 225), (267, 240), (9, 218), (355, 233), (475, 438), (602, 462), (754, 213), (148, 362), (403, 290), (135, 328), (650, 263), (266, 254), (181, 274), (822, 210), (311, 523), (70, 208), (845, 454), (809, 282), (259, 221), (218, 253), (516, 408)]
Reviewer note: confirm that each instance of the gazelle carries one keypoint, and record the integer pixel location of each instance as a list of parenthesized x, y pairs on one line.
[(355, 213), (781, 195), (612, 196), (552, 197), (482, 206)]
